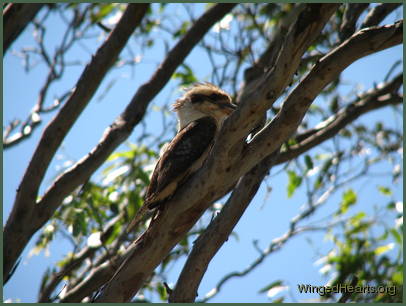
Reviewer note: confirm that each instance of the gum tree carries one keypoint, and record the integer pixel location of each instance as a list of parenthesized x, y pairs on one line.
[(283, 64)]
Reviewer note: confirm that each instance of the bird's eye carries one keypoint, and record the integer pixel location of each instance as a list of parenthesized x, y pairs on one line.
[(218, 97), (214, 96), (196, 98)]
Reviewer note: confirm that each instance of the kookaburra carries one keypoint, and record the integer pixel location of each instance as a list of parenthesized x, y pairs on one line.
[(201, 112)]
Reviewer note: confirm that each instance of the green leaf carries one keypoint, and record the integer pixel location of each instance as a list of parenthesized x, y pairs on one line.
[(127, 155), (162, 6), (360, 129), (291, 142), (385, 190), (114, 208), (324, 170), (64, 261), (383, 249), (186, 76), (349, 198), (184, 242), (384, 235), (113, 234), (356, 219), (104, 10), (327, 164), (346, 133), (309, 162), (149, 25), (45, 278), (135, 203), (150, 42), (334, 105), (397, 277), (162, 292), (396, 235), (359, 216), (182, 30), (143, 176), (323, 156), (271, 285), (79, 224), (294, 182), (391, 205), (359, 228), (318, 183)]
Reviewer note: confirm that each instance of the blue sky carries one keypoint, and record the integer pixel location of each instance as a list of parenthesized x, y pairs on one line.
[(264, 220)]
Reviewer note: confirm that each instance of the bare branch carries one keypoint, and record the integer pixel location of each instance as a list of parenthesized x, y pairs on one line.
[(378, 13), (268, 58), (206, 246), (186, 207), (94, 280), (211, 240), (74, 263), (134, 112), (123, 126), (277, 243), (372, 100), (275, 246), (191, 200), (351, 15), (285, 123), (26, 129), (26, 217), (16, 17), (347, 294), (259, 96)]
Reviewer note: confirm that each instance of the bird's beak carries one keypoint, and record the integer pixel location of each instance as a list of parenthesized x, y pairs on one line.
[(224, 106), (229, 107), (232, 106)]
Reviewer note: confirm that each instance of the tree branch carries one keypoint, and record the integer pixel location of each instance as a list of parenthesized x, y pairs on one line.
[(217, 233), (134, 112), (378, 13), (258, 96), (34, 119), (94, 280), (347, 294), (372, 100), (27, 217), (193, 198), (277, 243), (351, 15), (287, 120), (207, 245), (16, 17), (75, 262), (196, 195), (268, 58)]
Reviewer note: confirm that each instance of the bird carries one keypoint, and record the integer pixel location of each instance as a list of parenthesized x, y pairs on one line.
[(201, 112)]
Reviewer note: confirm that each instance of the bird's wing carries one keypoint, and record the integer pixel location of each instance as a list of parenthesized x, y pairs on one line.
[(181, 156)]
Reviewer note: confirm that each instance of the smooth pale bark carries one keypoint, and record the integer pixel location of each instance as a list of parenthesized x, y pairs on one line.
[(27, 216)]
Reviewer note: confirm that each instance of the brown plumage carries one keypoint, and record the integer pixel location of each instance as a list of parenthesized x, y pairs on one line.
[(201, 112)]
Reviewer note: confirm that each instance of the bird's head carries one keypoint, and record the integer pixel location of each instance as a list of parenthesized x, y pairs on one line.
[(203, 99)]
